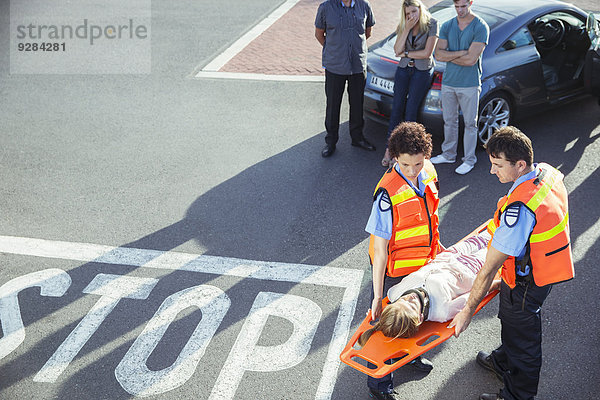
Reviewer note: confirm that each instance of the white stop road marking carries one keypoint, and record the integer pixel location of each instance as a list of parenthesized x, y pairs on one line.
[(245, 351)]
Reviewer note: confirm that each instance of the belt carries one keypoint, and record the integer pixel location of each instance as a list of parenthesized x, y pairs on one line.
[(523, 280)]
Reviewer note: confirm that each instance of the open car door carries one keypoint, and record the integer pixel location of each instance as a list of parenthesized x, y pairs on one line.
[(591, 74)]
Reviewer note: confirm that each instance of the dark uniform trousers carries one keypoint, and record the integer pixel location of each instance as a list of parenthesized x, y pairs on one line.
[(334, 90), (385, 384), (519, 357)]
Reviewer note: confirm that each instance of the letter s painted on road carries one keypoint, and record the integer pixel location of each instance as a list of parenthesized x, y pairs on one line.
[(52, 282)]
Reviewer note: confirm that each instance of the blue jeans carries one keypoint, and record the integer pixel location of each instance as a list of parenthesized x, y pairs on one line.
[(410, 87)]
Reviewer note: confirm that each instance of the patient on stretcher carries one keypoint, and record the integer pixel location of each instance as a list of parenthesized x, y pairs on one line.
[(436, 292)]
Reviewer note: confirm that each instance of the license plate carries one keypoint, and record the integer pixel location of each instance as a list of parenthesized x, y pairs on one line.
[(382, 84)]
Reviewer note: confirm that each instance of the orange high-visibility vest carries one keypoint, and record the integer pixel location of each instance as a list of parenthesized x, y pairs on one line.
[(415, 236), (549, 245)]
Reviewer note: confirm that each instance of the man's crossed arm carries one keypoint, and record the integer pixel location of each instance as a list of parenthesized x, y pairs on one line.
[(465, 58)]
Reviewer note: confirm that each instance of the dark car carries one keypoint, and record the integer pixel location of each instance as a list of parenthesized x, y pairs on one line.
[(540, 53)]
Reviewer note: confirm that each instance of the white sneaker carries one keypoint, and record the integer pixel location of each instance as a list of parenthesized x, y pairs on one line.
[(463, 168), (440, 159)]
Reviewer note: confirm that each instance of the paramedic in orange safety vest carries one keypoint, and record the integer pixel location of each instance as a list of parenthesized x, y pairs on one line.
[(530, 241), (403, 225)]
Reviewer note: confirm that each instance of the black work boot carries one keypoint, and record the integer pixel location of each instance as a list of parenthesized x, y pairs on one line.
[(491, 396), (375, 394), (485, 360), (421, 364)]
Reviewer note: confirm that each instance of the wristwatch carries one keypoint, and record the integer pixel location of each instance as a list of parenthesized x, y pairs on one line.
[(405, 53)]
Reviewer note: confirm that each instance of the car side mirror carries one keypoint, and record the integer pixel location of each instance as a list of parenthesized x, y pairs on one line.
[(509, 45), (593, 29)]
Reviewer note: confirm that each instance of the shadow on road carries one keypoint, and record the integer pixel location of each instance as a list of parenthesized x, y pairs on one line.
[(297, 207)]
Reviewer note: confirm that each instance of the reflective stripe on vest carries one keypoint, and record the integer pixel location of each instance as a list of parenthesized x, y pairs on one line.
[(491, 228), (402, 196), (416, 231), (550, 254), (417, 262), (415, 237), (550, 233), (540, 195)]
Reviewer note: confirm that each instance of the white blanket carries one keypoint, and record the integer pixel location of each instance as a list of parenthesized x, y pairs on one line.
[(448, 278)]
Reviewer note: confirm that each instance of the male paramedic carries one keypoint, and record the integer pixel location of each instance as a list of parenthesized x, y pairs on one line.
[(530, 241), (403, 225)]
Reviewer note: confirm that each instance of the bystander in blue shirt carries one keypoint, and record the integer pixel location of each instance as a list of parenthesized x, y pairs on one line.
[(345, 50), (477, 31)]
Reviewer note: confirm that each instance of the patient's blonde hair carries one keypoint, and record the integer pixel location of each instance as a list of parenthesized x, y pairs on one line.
[(396, 321)]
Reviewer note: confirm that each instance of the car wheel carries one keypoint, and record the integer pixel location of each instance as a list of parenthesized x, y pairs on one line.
[(495, 112)]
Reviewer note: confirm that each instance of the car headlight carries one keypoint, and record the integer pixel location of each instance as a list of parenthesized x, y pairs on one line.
[(433, 101)]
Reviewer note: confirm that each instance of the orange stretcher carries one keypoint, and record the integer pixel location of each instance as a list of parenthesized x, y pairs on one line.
[(380, 348)]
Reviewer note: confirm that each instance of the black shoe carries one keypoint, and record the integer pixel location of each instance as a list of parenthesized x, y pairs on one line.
[(375, 394), (364, 144), (328, 150), (421, 364), (491, 396), (485, 360)]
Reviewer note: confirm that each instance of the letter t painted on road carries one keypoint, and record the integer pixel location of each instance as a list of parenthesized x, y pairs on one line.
[(112, 288)]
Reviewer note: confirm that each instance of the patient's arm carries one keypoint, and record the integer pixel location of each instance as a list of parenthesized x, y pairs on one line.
[(454, 306), (481, 286)]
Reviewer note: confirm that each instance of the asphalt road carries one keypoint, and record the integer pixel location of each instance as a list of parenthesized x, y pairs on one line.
[(241, 251)]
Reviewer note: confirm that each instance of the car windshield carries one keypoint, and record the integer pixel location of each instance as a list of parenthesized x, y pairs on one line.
[(443, 14)]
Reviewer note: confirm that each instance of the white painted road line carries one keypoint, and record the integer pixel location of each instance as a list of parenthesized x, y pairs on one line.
[(247, 355), (260, 77), (349, 279), (252, 34)]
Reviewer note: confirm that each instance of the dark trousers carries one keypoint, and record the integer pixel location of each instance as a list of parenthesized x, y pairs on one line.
[(410, 87), (519, 357), (334, 90), (386, 383)]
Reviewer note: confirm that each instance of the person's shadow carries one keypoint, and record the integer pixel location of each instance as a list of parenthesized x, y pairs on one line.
[(293, 207)]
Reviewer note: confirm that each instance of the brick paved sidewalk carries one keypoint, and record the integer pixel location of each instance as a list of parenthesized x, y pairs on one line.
[(289, 46)]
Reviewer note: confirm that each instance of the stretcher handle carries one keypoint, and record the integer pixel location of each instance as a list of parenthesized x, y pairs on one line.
[(380, 348)]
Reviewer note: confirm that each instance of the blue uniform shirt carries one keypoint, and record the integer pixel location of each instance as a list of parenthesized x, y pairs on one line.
[(516, 225), (380, 221)]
